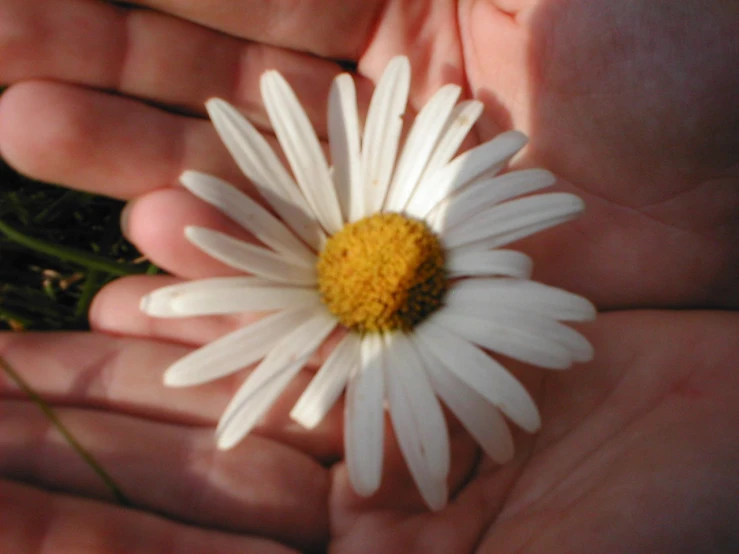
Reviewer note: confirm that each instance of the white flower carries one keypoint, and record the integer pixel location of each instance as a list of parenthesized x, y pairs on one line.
[(409, 263)]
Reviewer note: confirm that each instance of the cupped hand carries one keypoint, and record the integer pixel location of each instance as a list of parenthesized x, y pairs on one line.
[(637, 453), (630, 104)]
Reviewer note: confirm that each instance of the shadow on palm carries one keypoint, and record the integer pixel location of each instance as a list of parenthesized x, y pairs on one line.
[(629, 105), (604, 112), (629, 442)]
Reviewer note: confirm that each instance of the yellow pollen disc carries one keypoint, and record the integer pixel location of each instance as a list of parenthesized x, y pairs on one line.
[(382, 273)]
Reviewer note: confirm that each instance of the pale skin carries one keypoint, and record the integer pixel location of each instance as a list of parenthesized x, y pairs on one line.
[(632, 104)]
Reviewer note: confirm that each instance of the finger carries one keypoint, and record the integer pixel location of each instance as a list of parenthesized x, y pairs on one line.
[(496, 45), (115, 310), (167, 445), (150, 55), (125, 375), (36, 521), (334, 29), (260, 487), (156, 224), (103, 143)]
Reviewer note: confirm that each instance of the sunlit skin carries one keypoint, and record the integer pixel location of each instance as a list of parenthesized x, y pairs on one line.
[(631, 103)]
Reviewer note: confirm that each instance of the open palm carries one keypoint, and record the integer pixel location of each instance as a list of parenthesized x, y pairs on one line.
[(637, 454), (630, 442)]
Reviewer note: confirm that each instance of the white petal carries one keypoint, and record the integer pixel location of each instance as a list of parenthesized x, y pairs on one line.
[(249, 258), (513, 215), (481, 418), (423, 137), (223, 295), (486, 159), (265, 384), (504, 239), (325, 388), (414, 409), (435, 492), (234, 351), (303, 150), (382, 131), (247, 213), (246, 299), (343, 138), (482, 373), (485, 193), (519, 342), (413, 432), (364, 419), (244, 418), (464, 116), (158, 303), (580, 348), (541, 326), (260, 164), (527, 296), (508, 263)]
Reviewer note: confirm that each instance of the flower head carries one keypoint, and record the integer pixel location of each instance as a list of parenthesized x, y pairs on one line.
[(401, 248), (382, 273)]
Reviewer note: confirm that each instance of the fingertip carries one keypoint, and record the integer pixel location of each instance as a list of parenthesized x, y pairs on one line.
[(116, 310), (109, 310), (159, 222), (31, 128)]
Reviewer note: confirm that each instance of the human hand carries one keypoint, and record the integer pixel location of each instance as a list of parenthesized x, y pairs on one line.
[(630, 104), (637, 453), (611, 284)]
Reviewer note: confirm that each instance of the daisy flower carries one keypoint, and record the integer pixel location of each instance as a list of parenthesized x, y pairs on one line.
[(400, 247)]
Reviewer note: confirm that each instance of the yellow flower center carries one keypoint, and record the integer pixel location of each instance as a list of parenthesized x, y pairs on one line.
[(382, 273)]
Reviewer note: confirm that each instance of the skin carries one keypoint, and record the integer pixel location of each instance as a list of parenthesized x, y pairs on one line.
[(630, 103)]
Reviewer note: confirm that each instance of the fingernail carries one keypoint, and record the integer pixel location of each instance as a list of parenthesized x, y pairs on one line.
[(125, 214)]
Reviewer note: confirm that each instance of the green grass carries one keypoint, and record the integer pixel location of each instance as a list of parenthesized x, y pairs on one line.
[(57, 249)]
